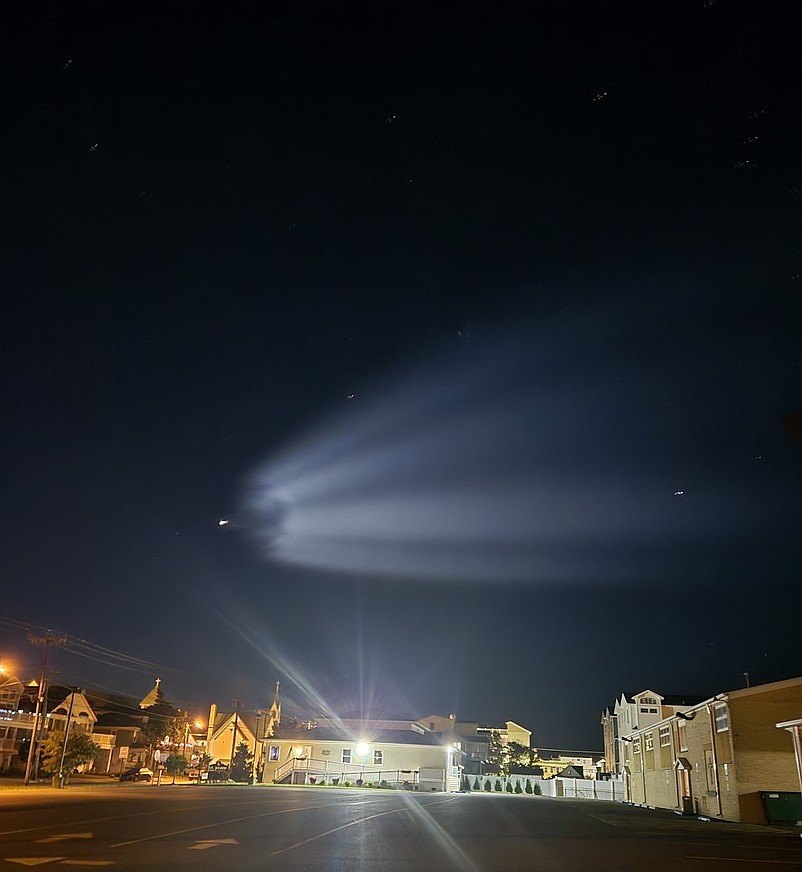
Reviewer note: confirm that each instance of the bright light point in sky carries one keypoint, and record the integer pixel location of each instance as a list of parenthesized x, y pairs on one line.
[(222, 522), (362, 749)]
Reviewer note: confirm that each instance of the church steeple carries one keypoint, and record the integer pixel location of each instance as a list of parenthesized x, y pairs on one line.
[(154, 697), (273, 718)]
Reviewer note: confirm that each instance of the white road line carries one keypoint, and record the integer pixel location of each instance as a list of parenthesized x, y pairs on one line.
[(63, 837), (352, 824), (32, 861), (220, 824), (117, 817), (87, 863), (761, 861)]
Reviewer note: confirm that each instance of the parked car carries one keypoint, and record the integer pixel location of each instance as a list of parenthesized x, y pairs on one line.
[(137, 773)]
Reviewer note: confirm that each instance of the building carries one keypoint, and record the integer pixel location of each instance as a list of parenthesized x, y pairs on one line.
[(16, 724), (474, 738), (717, 757), (402, 753), (632, 711)]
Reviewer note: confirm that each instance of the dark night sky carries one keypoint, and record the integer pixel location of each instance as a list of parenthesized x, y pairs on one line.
[(559, 246)]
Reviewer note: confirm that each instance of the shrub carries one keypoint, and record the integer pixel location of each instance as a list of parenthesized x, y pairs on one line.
[(528, 787), (347, 784), (538, 790), (476, 784), (487, 785), (322, 782), (383, 782), (359, 782), (508, 788), (518, 788), (497, 786)]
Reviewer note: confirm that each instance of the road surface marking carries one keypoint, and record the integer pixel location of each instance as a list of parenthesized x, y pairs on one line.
[(118, 817), (211, 843), (353, 824), (220, 824), (87, 862), (63, 837), (32, 861), (762, 860)]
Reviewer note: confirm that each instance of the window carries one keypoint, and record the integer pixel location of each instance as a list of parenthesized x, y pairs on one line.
[(648, 742), (665, 736), (683, 739), (378, 758), (273, 754), (636, 746), (722, 718), (346, 755), (648, 700), (648, 710)]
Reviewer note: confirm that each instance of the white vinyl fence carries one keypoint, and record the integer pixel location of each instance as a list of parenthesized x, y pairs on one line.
[(575, 788)]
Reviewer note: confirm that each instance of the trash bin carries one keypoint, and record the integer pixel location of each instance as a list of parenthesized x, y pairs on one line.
[(687, 805), (58, 781)]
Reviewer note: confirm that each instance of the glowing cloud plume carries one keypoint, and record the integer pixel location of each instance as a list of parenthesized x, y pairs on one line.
[(521, 458)]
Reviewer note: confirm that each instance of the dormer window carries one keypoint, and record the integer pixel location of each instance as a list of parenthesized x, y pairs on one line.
[(648, 700)]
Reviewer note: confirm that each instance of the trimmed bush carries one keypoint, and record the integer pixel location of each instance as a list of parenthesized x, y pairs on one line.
[(497, 787), (508, 788), (487, 785), (476, 784), (538, 790), (528, 787), (518, 788)]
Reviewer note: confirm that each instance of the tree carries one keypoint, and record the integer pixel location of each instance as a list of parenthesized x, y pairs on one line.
[(242, 764), (164, 723), (497, 752), (80, 749), (520, 755), (175, 764)]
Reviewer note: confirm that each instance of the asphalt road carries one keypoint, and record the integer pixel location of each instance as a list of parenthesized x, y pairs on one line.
[(147, 828)]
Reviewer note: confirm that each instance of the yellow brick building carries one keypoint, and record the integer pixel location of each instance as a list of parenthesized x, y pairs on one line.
[(716, 757)]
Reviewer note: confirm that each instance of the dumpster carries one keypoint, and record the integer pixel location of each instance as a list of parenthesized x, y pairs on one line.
[(782, 806)]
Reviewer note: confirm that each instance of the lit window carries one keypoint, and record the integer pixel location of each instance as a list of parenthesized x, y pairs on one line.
[(346, 755), (648, 742), (648, 700), (378, 758), (636, 746), (722, 718), (274, 752), (682, 736), (665, 736)]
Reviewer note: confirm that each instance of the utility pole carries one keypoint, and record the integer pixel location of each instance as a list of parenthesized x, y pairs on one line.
[(66, 736), (237, 704), (257, 749), (47, 641)]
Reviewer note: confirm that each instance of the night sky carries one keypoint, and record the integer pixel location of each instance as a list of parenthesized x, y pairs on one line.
[(479, 329)]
